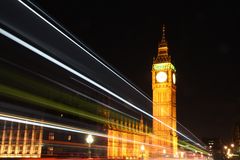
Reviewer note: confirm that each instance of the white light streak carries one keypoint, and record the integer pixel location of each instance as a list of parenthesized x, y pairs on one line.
[(71, 89), (45, 20), (29, 121), (44, 55), (73, 41), (24, 120)]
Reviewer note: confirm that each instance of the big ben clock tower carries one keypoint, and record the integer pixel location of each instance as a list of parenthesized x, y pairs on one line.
[(164, 100)]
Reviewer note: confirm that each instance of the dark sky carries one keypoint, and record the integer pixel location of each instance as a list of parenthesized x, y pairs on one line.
[(203, 41)]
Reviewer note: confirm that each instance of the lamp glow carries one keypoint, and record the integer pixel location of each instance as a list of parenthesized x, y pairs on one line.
[(89, 140), (142, 150)]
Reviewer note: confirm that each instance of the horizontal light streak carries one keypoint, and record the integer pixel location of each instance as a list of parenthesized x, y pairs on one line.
[(184, 145), (70, 89), (29, 121), (48, 103), (27, 97), (181, 143), (53, 60), (86, 78), (41, 123), (95, 58), (66, 87)]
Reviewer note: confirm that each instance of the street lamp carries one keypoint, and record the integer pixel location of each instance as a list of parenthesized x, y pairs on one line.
[(142, 150), (225, 147), (89, 140), (164, 151), (182, 154)]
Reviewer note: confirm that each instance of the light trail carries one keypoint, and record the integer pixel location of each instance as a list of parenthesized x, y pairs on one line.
[(62, 65), (68, 88), (79, 93), (94, 100), (95, 58), (190, 133), (30, 98), (24, 120), (2, 89), (45, 20), (31, 121), (99, 101), (40, 123)]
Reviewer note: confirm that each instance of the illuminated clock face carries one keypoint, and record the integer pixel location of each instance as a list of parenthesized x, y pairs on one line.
[(174, 78), (161, 76)]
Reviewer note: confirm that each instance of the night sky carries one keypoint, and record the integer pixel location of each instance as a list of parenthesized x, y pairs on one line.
[(203, 40)]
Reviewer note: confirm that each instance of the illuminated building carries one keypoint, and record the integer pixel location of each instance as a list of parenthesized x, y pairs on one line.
[(126, 139), (164, 99), (163, 138), (20, 140)]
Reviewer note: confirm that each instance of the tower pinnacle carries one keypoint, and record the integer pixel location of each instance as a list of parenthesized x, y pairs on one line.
[(162, 55), (163, 42)]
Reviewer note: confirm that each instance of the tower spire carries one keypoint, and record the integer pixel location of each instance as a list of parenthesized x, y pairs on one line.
[(163, 42), (162, 55)]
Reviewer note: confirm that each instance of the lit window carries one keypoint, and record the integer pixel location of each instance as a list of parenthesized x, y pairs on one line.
[(69, 137), (51, 136)]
